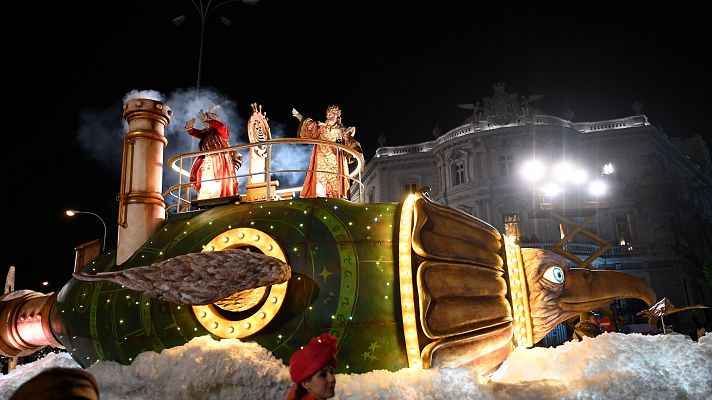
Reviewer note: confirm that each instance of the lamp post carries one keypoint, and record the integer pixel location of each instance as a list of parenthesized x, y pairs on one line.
[(204, 12), (71, 213)]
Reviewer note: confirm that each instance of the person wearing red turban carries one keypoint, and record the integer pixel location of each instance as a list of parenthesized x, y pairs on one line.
[(312, 370)]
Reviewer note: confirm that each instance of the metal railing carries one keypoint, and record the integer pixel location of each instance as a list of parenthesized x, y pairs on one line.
[(585, 249), (539, 120), (181, 193)]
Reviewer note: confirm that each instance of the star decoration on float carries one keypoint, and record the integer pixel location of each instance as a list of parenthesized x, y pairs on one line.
[(325, 273), (373, 346)]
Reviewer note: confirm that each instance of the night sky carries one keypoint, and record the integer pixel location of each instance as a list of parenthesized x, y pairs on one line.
[(396, 70)]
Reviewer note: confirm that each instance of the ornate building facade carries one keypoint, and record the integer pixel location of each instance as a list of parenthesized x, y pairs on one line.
[(654, 219)]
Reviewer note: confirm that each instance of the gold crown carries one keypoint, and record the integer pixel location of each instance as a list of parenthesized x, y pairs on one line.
[(210, 114), (334, 109)]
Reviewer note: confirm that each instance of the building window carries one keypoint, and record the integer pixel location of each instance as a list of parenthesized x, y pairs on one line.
[(458, 173), (623, 229), (484, 209), (505, 165), (372, 195), (480, 164)]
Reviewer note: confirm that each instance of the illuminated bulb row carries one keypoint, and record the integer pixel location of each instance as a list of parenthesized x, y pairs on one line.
[(227, 328), (520, 306), (230, 329), (260, 316), (406, 284)]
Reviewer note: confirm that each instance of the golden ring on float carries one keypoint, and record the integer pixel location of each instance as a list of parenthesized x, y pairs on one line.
[(208, 315)]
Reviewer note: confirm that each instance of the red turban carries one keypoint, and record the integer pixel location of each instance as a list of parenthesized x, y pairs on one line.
[(305, 362)]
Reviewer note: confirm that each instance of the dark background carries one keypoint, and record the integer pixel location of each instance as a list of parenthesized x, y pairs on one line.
[(396, 69)]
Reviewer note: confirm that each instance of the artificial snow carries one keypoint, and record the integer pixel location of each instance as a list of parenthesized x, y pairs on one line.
[(610, 366)]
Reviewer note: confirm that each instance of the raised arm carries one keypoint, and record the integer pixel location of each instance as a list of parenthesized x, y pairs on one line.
[(297, 115), (190, 128)]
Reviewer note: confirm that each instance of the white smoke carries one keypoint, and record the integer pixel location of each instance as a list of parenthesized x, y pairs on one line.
[(101, 132), (289, 157), (144, 94)]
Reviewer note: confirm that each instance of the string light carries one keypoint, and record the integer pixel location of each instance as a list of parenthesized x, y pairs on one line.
[(520, 301), (406, 283), (221, 326)]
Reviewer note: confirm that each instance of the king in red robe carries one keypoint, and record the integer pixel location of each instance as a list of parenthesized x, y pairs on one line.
[(213, 175)]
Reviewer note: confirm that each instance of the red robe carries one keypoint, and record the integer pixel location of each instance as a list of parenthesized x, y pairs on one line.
[(222, 165)]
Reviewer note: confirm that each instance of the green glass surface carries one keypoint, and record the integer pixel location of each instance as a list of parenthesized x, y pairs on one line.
[(342, 258)]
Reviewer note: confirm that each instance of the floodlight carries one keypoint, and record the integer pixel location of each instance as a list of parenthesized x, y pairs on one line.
[(563, 171), (551, 189), (577, 176), (597, 188), (532, 171)]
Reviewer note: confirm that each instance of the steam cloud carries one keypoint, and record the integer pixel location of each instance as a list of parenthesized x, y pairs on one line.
[(101, 132)]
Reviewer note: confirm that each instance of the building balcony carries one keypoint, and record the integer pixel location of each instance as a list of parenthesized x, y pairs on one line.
[(584, 250)]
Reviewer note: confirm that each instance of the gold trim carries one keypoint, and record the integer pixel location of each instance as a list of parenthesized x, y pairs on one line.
[(225, 328), (144, 197), (133, 113), (126, 179), (405, 274), (140, 133), (521, 314)]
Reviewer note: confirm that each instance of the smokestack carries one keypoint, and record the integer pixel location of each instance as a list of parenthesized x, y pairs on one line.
[(142, 209)]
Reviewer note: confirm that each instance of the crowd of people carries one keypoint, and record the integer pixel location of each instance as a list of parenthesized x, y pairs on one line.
[(592, 324)]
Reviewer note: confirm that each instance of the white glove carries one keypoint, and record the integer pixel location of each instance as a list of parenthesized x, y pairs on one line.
[(296, 114)]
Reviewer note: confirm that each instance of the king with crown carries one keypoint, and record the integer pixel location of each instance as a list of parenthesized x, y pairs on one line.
[(213, 175), (328, 169)]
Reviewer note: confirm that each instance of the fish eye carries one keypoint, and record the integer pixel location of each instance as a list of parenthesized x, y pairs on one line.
[(554, 274)]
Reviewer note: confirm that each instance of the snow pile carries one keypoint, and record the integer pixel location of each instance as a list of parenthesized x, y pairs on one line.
[(609, 366)]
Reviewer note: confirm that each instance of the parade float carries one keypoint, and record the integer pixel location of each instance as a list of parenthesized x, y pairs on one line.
[(408, 284)]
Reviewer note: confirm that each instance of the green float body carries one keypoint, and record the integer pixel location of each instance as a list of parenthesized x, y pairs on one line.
[(343, 282)]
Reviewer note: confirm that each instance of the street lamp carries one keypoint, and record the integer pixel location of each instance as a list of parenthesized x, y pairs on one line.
[(564, 177), (559, 190), (71, 213), (204, 12)]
